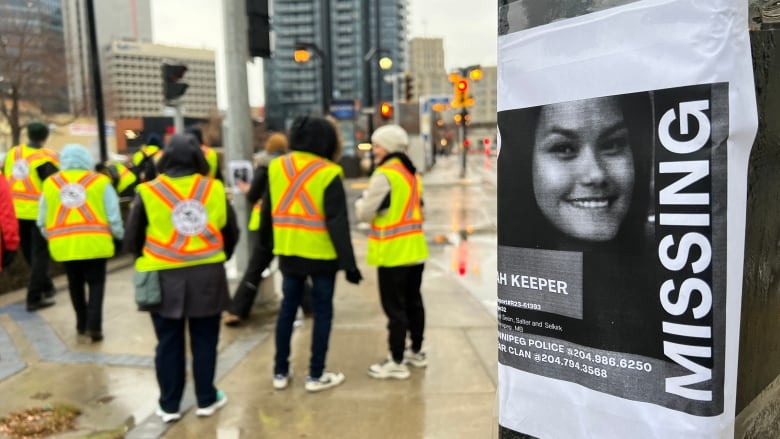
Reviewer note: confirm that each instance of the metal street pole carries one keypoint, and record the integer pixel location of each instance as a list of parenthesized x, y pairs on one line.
[(327, 66), (96, 81), (239, 134), (395, 77)]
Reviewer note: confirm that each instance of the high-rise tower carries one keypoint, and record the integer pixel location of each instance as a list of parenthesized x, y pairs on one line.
[(345, 31)]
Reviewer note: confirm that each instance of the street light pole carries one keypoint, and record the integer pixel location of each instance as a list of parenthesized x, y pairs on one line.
[(327, 85)]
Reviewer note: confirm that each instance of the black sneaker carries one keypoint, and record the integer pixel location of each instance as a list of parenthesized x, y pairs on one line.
[(96, 336), (43, 303), (48, 294)]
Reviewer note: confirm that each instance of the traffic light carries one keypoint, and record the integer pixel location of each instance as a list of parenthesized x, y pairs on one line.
[(258, 28), (172, 74), (461, 93), (386, 110), (486, 141), (408, 87)]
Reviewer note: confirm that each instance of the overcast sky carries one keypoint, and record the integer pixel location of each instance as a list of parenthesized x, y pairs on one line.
[(468, 30)]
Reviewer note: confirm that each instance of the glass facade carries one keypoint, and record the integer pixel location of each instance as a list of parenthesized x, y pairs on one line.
[(292, 89)]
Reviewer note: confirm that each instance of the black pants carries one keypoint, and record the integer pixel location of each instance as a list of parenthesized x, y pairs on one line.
[(170, 359), (399, 290), (246, 293), (36, 252), (89, 309)]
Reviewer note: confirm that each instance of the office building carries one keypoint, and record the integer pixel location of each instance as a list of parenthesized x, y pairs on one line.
[(345, 31), (484, 93), (426, 64), (133, 86), (114, 20)]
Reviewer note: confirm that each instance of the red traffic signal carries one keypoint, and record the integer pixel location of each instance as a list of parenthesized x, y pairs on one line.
[(462, 85), (467, 143), (486, 141), (386, 110)]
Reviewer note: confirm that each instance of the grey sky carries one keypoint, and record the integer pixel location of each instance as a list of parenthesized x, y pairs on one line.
[(468, 28)]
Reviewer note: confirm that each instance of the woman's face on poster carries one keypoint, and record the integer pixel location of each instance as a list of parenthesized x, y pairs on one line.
[(583, 168)]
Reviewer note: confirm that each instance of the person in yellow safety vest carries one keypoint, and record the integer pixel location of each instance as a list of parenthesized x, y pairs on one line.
[(122, 178), (26, 167), (396, 246), (304, 222), (144, 161), (208, 152), (182, 226), (245, 294), (79, 215)]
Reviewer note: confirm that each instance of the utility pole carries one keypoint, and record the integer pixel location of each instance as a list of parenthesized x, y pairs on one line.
[(96, 82), (239, 133)]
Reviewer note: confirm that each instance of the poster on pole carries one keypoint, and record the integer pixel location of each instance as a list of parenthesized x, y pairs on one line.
[(625, 128)]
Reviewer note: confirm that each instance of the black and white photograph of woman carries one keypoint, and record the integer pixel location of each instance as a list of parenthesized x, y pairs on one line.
[(575, 177)]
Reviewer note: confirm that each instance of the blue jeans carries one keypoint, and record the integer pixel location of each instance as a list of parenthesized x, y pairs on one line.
[(322, 304), (170, 359)]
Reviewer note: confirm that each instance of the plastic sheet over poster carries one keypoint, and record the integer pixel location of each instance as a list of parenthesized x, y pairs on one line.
[(624, 140)]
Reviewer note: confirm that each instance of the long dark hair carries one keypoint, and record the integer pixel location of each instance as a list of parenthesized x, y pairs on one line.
[(521, 222)]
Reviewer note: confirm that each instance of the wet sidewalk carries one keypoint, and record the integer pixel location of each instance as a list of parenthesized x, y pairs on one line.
[(113, 382)]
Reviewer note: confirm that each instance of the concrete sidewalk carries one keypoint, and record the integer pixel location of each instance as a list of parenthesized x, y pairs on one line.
[(113, 382)]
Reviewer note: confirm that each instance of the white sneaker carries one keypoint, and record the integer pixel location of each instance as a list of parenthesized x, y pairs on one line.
[(167, 417), (389, 369), (281, 381), (416, 359), (218, 404), (326, 381)]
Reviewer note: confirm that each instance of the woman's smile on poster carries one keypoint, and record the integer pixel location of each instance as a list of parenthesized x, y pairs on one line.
[(583, 168)]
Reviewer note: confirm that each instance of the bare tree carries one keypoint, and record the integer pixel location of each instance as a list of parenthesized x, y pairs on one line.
[(33, 78)]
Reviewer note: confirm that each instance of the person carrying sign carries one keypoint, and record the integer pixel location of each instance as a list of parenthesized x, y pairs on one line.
[(26, 167), (79, 215), (396, 245), (182, 226)]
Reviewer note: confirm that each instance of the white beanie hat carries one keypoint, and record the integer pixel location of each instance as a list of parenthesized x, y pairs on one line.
[(393, 138)]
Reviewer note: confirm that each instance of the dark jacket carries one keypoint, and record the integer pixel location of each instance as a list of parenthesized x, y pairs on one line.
[(315, 136), (198, 291)]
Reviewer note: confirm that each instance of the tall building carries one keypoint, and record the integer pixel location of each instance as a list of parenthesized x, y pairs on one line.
[(426, 64), (114, 20), (133, 86), (485, 99), (345, 31), (31, 53)]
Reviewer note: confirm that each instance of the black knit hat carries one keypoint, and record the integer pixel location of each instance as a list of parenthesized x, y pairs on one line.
[(37, 131)]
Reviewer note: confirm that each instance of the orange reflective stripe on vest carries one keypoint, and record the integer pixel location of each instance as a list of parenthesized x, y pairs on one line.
[(283, 217), (29, 192), (175, 248), (73, 199), (407, 224)]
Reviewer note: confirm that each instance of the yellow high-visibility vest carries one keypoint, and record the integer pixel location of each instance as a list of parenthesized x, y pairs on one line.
[(76, 221), (125, 177), (396, 237), (21, 166), (254, 216), (153, 151), (186, 216), (211, 158), (297, 183)]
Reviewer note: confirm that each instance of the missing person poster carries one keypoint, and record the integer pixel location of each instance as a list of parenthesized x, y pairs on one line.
[(624, 135)]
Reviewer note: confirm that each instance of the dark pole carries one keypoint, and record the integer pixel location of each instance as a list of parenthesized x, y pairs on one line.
[(96, 82), (327, 66), (377, 45)]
